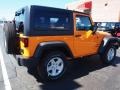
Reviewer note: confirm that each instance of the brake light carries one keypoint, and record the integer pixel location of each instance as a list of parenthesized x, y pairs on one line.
[(25, 41)]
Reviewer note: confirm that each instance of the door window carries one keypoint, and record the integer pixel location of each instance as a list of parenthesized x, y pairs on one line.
[(83, 23)]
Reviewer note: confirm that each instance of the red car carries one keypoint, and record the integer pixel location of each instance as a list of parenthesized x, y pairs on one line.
[(117, 30)]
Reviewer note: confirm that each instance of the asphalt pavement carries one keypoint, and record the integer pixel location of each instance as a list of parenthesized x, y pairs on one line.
[(86, 74), (1, 80)]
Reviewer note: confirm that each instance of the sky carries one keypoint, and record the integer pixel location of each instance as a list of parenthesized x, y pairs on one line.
[(8, 7)]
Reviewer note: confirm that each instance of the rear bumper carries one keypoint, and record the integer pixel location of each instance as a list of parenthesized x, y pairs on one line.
[(27, 62)]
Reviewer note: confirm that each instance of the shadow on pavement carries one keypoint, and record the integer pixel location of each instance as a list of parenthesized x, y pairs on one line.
[(79, 68)]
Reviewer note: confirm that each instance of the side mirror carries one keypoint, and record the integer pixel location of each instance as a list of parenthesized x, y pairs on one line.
[(94, 28)]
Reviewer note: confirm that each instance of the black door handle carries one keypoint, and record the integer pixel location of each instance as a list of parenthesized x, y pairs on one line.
[(77, 35)]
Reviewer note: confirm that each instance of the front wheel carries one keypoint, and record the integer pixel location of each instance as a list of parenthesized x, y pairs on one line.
[(109, 54), (53, 66)]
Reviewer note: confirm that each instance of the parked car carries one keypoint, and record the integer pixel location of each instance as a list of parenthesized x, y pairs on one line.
[(48, 38), (110, 27), (2, 24)]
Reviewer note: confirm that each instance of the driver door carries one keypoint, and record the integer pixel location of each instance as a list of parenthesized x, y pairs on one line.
[(85, 42)]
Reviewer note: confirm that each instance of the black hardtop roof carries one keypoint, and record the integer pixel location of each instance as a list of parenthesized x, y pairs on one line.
[(37, 7), (57, 9), (49, 8)]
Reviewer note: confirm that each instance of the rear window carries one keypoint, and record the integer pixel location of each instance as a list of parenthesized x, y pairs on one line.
[(51, 21)]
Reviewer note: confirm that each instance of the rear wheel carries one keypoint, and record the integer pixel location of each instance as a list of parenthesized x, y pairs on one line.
[(10, 38), (109, 54), (53, 66)]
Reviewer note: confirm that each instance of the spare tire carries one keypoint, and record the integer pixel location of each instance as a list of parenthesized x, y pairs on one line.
[(10, 38)]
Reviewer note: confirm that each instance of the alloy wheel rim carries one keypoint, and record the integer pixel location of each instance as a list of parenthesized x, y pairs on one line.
[(110, 54), (55, 66)]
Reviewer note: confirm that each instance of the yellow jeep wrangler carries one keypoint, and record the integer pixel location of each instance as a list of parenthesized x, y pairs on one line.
[(49, 37)]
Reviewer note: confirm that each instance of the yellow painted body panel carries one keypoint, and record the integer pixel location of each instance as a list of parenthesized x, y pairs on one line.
[(85, 45), (35, 41)]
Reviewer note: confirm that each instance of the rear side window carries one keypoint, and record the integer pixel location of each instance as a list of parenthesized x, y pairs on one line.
[(52, 22), (83, 23)]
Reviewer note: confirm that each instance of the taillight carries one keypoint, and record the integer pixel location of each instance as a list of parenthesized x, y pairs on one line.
[(25, 41)]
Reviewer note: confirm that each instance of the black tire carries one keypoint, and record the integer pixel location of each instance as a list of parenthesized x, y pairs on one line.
[(43, 71), (105, 57), (10, 38)]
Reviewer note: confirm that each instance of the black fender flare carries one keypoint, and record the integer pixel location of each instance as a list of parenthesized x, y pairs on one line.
[(106, 41), (51, 45)]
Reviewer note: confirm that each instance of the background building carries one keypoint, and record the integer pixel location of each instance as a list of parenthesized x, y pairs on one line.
[(100, 10), (81, 5)]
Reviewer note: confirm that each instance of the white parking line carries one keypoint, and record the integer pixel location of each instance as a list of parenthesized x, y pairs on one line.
[(4, 72)]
